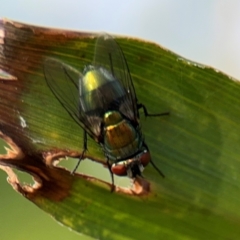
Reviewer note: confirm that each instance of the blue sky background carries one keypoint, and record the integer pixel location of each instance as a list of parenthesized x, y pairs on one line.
[(205, 31)]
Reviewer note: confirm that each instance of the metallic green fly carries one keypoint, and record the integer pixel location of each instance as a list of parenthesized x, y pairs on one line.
[(104, 103)]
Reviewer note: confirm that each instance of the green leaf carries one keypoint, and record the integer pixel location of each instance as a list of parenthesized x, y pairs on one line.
[(196, 147)]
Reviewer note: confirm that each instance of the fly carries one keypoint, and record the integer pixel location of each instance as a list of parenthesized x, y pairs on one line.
[(103, 103)]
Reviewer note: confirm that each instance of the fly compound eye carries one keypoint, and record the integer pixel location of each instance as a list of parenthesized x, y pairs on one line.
[(120, 169), (144, 158)]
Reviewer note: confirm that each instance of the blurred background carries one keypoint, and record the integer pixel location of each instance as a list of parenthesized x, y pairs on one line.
[(204, 31)]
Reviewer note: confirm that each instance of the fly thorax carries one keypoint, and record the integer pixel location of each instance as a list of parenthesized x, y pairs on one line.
[(112, 118), (121, 139)]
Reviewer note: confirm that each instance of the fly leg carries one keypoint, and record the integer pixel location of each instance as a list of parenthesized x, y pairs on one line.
[(83, 151), (157, 169), (140, 105), (112, 178), (153, 164)]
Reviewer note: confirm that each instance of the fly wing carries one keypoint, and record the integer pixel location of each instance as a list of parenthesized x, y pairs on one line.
[(63, 81), (109, 55)]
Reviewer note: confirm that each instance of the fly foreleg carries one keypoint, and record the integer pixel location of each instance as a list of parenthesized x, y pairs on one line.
[(112, 178), (158, 170)]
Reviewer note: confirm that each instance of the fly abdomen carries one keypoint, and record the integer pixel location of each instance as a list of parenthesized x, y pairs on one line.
[(98, 90)]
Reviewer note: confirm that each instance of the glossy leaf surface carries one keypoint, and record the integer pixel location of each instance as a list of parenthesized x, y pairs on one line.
[(196, 147)]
